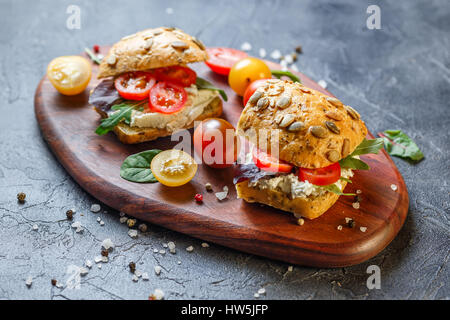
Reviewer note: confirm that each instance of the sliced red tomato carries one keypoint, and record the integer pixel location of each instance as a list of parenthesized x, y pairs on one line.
[(321, 176), (134, 85), (183, 76), (252, 88), (222, 59), (267, 162), (167, 97)]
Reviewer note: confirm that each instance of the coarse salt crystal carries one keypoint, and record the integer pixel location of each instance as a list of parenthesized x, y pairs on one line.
[(262, 53), (102, 223), (288, 58), (134, 278), (290, 268), (322, 83), (123, 219), (261, 291), (88, 264), (205, 245), (83, 271), (29, 281), (222, 195), (358, 191), (138, 273), (162, 251), (276, 54), (95, 208), (155, 250), (347, 220), (256, 295), (35, 227), (355, 205), (190, 249), (246, 46), (133, 233), (394, 187), (145, 276), (339, 227), (363, 229), (107, 244), (171, 246), (157, 270)]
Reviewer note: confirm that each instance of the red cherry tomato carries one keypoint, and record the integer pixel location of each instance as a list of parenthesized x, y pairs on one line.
[(134, 85), (183, 76), (321, 176), (252, 88), (215, 141), (167, 97), (266, 162), (222, 59)]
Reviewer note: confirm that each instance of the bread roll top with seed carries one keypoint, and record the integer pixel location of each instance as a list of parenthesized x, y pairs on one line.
[(310, 129), (152, 48)]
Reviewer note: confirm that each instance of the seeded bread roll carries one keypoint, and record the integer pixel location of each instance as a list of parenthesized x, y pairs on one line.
[(310, 207), (310, 129), (152, 48)]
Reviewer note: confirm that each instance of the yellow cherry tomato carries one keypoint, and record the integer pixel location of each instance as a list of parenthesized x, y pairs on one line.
[(69, 75), (173, 168), (246, 71)]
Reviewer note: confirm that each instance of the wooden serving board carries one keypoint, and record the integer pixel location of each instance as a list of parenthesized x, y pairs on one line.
[(68, 125)]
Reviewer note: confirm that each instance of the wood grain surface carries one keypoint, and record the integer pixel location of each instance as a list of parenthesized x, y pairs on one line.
[(68, 124)]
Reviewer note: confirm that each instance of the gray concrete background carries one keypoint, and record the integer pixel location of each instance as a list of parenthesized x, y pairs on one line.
[(397, 77)]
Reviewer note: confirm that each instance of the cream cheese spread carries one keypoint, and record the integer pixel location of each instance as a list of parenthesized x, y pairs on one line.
[(289, 184), (197, 101)]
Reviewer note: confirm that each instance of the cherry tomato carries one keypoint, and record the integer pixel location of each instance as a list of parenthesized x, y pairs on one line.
[(167, 97), (134, 85), (69, 75), (252, 88), (267, 162), (216, 143), (246, 71), (222, 59), (321, 176), (182, 76), (173, 167)]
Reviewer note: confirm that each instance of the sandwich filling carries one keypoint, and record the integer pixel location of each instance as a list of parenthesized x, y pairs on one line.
[(289, 183), (197, 101)]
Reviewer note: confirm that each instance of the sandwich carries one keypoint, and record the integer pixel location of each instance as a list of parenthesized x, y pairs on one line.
[(148, 91), (305, 148)]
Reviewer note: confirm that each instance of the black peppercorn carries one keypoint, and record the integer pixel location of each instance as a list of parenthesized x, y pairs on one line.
[(351, 223), (132, 266), (69, 214), (21, 197)]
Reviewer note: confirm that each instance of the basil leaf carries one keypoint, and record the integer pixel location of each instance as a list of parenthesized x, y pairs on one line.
[(335, 189), (353, 163), (399, 144), (345, 179), (123, 112), (136, 168), (205, 84), (290, 75), (368, 146)]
